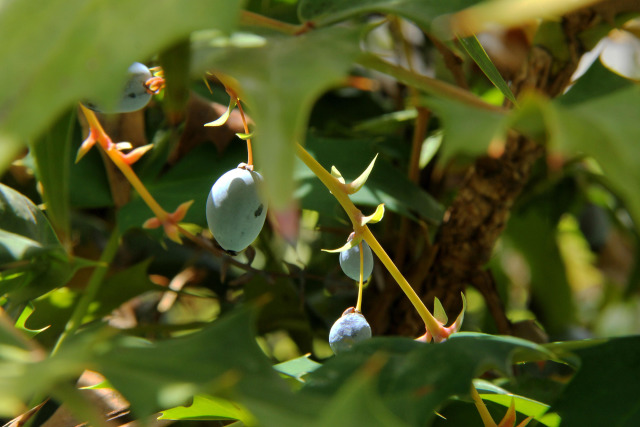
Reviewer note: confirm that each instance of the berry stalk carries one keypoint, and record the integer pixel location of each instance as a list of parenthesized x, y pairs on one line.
[(339, 191)]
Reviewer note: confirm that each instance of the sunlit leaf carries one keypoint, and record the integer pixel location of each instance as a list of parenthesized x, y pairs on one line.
[(480, 57)]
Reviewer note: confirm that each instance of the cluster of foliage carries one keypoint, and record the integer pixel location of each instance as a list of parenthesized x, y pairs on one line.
[(109, 283)]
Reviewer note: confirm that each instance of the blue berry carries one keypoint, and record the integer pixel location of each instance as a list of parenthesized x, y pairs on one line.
[(235, 210), (134, 94), (350, 262), (349, 329)]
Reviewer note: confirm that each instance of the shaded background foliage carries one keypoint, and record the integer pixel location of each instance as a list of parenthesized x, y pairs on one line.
[(531, 209)]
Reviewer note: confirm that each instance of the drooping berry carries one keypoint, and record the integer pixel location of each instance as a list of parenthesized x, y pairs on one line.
[(235, 210), (349, 329), (134, 95), (350, 262)]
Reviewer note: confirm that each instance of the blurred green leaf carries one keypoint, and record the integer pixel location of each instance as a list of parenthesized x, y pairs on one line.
[(357, 403), (217, 359), (54, 309), (415, 379), (596, 117), (475, 50), (24, 230), (480, 127), (533, 233), (605, 389), (298, 367), (206, 407), (22, 319), (82, 49), (422, 12), (279, 100), (52, 157)]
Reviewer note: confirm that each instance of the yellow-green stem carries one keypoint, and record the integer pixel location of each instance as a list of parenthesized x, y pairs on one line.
[(246, 130), (339, 191), (359, 302), (91, 290), (487, 419), (253, 19)]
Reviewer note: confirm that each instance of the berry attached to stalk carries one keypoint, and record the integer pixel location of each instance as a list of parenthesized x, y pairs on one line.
[(350, 261), (235, 209), (349, 329), (135, 94)]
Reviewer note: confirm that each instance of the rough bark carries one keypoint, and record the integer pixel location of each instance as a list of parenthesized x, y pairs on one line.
[(479, 212)]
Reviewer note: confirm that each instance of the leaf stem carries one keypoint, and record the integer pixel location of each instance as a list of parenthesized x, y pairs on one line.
[(339, 191), (90, 292), (246, 130), (426, 84), (253, 19)]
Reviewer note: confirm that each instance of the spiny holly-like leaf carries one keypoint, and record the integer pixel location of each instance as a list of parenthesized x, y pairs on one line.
[(279, 99), (416, 378), (87, 60), (357, 184), (374, 217), (22, 319), (220, 121)]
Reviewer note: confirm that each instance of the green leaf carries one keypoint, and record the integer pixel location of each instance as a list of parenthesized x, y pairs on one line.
[(298, 367), (280, 101), (422, 12), (52, 158), (357, 403), (24, 230), (481, 127), (605, 389), (22, 319), (86, 59), (219, 358), (359, 182), (533, 232), (475, 50), (210, 408), (415, 379)]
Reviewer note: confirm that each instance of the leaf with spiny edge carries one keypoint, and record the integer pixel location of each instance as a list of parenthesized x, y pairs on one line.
[(438, 311), (336, 174), (374, 217), (220, 121), (359, 182), (22, 320)]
